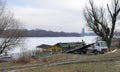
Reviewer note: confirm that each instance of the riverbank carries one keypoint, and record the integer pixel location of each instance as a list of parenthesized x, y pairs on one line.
[(79, 63)]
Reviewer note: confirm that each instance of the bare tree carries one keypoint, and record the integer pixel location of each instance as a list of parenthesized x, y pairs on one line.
[(10, 35), (98, 21)]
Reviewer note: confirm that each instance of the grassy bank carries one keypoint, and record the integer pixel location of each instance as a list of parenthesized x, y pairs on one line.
[(103, 63), (84, 67), (110, 65)]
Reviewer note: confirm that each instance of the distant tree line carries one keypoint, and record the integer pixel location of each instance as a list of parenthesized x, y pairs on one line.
[(44, 33)]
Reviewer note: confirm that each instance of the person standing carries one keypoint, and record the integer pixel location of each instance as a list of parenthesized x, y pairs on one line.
[(83, 42)]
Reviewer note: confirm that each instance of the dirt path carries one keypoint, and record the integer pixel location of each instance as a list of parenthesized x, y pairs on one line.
[(53, 64)]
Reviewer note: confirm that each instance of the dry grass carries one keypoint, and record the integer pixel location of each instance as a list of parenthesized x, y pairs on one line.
[(82, 67), (110, 66), (72, 57), (8, 65)]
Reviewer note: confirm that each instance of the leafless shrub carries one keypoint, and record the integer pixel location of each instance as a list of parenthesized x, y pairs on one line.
[(10, 35), (24, 56)]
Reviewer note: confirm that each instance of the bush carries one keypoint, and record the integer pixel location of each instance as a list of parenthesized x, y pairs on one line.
[(24, 57)]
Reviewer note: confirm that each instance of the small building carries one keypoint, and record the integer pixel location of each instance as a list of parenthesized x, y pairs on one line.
[(43, 47), (54, 49), (67, 46), (60, 47)]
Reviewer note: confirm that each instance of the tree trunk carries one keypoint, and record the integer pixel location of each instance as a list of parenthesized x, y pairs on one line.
[(1, 51), (109, 43)]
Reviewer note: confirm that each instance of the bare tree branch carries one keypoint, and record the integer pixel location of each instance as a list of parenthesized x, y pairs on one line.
[(9, 30), (96, 20)]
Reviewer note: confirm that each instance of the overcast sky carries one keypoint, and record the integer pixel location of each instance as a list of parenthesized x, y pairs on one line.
[(56, 15)]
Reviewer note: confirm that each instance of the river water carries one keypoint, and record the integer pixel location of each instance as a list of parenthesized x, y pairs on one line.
[(30, 43)]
